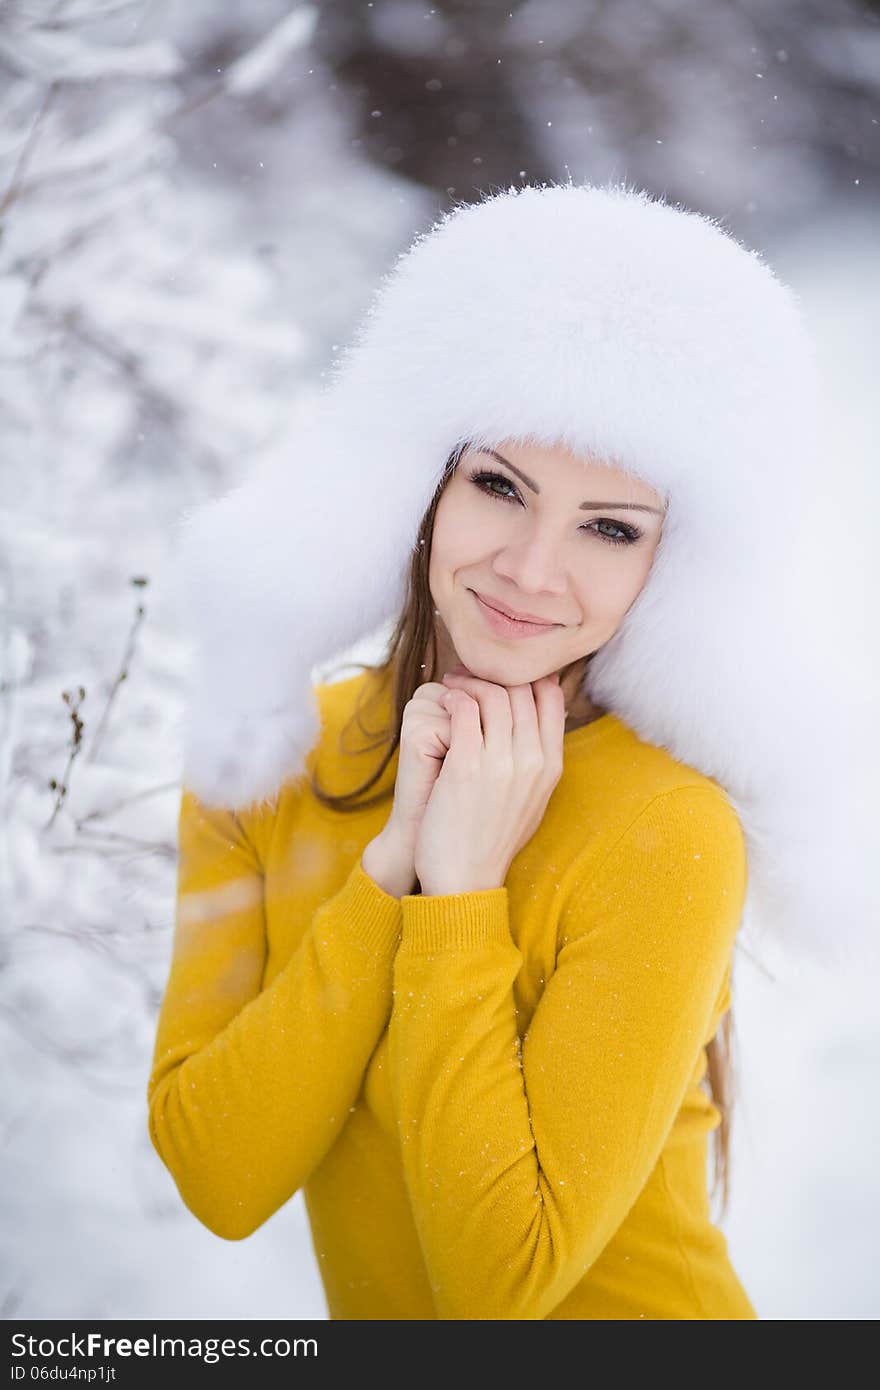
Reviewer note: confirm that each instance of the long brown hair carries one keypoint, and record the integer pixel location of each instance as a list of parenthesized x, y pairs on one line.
[(410, 661)]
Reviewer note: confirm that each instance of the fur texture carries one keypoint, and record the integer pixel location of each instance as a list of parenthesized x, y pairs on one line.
[(610, 321)]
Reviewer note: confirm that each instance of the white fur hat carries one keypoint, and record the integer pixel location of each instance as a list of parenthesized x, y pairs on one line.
[(609, 321)]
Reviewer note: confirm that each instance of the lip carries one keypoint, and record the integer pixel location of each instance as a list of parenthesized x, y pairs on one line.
[(507, 626)]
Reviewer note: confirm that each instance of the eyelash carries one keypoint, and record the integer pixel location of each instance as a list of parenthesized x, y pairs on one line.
[(630, 533)]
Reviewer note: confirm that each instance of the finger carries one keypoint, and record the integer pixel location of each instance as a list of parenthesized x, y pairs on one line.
[(494, 707), (528, 748), (430, 691), (423, 712), (549, 700), (429, 705), (467, 741), (436, 722)]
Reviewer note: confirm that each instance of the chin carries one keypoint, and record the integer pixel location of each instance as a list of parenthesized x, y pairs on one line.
[(499, 671)]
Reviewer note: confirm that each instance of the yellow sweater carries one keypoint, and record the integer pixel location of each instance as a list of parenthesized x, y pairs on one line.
[(490, 1100)]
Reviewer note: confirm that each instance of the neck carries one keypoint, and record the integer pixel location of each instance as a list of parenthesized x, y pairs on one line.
[(579, 709)]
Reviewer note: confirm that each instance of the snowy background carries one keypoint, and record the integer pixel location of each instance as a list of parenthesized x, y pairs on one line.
[(195, 204)]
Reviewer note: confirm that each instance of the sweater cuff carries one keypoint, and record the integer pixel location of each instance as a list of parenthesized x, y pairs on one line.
[(373, 915), (448, 920)]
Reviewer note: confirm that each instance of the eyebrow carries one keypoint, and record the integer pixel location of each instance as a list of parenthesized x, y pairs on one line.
[(584, 506)]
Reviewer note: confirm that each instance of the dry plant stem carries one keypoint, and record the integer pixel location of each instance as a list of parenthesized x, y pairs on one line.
[(122, 675), (75, 749)]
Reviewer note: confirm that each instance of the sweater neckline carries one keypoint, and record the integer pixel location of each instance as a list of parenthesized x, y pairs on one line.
[(584, 733)]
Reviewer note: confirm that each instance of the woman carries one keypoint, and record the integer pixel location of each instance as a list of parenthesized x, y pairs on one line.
[(467, 994)]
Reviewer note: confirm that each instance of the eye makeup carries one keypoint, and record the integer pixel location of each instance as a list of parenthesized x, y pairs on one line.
[(627, 533)]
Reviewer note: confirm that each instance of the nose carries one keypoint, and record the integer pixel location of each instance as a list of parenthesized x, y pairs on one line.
[(532, 564)]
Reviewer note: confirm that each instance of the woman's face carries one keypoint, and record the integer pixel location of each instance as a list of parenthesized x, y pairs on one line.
[(543, 532)]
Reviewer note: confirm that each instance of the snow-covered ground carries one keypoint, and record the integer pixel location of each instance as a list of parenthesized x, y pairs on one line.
[(134, 386)]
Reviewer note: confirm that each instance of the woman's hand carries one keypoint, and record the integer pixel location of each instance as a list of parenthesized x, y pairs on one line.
[(425, 735), (504, 760)]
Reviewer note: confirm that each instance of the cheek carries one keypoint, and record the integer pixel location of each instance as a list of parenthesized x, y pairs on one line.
[(638, 570), (462, 536), (610, 582)]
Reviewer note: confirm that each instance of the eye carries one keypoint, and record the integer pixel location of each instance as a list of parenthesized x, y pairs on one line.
[(626, 534), (484, 480)]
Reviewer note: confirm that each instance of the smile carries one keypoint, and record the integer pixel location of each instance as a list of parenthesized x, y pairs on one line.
[(509, 627)]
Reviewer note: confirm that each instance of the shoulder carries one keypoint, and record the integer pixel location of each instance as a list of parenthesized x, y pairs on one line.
[(641, 799), (352, 715), (638, 770), (338, 699), (646, 767), (250, 829), (670, 876)]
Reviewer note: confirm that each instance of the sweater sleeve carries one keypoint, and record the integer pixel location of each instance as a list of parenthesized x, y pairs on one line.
[(249, 1087), (523, 1159)]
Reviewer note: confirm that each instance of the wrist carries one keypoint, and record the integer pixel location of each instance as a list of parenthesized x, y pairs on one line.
[(386, 861), (481, 883)]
